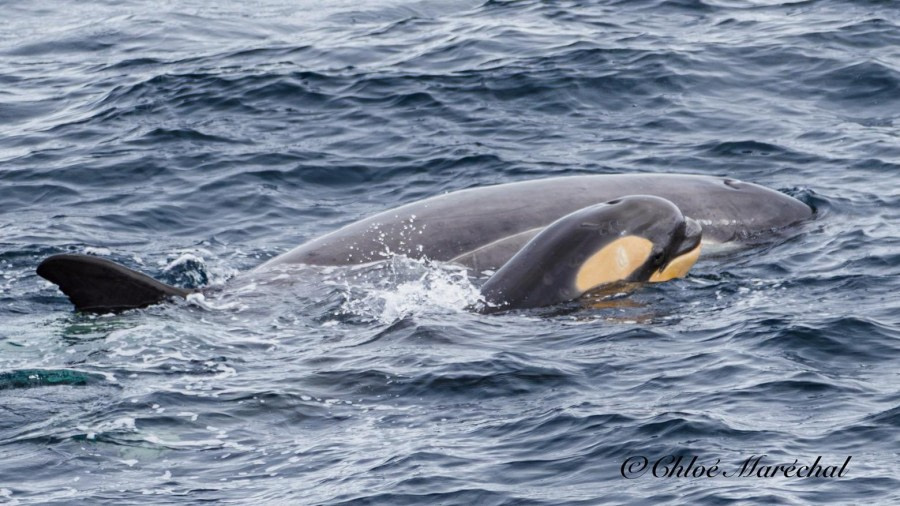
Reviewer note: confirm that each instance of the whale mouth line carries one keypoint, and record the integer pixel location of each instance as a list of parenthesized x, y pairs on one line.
[(678, 267), (685, 255), (693, 235)]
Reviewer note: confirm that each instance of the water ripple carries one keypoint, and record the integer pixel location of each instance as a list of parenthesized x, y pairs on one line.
[(194, 141)]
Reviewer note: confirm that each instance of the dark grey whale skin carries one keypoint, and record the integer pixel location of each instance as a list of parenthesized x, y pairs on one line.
[(484, 227)]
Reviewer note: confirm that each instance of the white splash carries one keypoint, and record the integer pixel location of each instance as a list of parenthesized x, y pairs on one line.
[(102, 252), (215, 273), (401, 287), (183, 259)]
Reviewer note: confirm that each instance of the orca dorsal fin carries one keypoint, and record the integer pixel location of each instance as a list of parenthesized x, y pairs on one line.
[(97, 285)]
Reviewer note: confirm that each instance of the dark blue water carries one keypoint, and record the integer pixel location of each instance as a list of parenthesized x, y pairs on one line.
[(193, 141)]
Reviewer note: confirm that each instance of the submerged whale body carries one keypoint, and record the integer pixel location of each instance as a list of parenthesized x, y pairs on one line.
[(484, 227), (549, 240)]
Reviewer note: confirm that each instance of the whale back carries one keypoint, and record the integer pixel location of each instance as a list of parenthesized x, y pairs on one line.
[(484, 227)]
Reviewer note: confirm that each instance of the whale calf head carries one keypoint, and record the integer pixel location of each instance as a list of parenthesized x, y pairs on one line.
[(637, 238)]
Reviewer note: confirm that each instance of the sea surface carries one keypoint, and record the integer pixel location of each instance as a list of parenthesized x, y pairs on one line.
[(194, 140)]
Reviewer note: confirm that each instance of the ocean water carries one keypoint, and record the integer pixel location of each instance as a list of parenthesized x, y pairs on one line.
[(194, 140)]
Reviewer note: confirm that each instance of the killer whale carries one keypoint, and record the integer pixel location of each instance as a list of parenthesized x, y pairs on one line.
[(483, 227), (550, 240), (633, 239)]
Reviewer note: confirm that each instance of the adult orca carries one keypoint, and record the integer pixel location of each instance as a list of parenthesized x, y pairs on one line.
[(482, 228), (551, 239)]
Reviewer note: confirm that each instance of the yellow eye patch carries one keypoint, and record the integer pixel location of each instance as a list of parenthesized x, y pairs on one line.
[(614, 262)]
